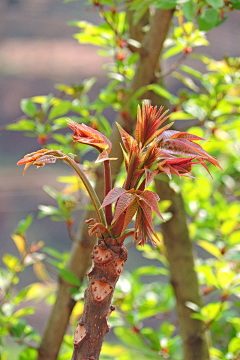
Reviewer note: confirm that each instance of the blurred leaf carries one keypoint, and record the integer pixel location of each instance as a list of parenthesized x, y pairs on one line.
[(216, 4), (53, 252), (22, 125), (189, 10), (47, 211), (28, 354), (193, 306), (208, 19), (40, 271), (180, 115), (11, 261), (69, 277), (28, 107), (24, 311), (20, 243), (168, 4), (234, 345), (211, 248)]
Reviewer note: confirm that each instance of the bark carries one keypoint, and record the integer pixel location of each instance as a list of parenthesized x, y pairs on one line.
[(183, 276), (80, 252), (107, 265), (78, 264)]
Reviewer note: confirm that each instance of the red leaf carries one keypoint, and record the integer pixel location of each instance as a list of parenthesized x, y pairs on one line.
[(103, 157), (178, 147), (132, 208), (185, 135), (50, 159), (124, 201), (151, 199), (112, 196), (150, 175), (128, 140)]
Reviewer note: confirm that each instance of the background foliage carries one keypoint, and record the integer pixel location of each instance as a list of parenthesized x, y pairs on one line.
[(144, 323)]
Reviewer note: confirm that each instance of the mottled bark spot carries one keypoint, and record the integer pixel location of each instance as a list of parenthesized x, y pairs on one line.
[(100, 290), (79, 334)]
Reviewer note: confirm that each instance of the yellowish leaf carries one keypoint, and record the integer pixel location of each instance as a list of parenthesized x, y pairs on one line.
[(20, 243), (40, 271), (77, 311), (211, 248)]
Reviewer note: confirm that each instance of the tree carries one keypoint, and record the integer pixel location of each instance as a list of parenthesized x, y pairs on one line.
[(212, 101)]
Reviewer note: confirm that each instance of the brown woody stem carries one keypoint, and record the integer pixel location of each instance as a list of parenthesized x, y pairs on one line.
[(108, 187), (108, 260)]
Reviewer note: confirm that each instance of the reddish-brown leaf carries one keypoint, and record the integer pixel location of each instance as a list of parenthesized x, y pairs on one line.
[(151, 199), (112, 196), (46, 159), (131, 210), (128, 140), (123, 202), (150, 175)]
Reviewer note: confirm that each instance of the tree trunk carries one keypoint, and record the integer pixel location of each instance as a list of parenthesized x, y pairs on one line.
[(183, 276), (107, 266)]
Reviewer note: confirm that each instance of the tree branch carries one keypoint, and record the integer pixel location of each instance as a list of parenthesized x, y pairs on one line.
[(171, 68), (183, 276)]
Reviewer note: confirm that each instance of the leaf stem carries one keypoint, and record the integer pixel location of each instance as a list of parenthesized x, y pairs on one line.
[(108, 187), (89, 188)]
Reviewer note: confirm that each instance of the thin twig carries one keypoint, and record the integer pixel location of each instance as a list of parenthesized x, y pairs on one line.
[(172, 68), (2, 128), (71, 233)]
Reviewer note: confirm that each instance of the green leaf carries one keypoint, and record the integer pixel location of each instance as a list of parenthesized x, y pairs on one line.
[(22, 125), (211, 248), (234, 345), (186, 80), (128, 337), (189, 10), (197, 74), (23, 225), (236, 323), (28, 107), (174, 50), (180, 115), (88, 84), (132, 59), (208, 19), (197, 316), (168, 4), (52, 252), (61, 108), (140, 10), (28, 354), (195, 110), (69, 277), (24, 312), (193, 306), (21, 296), (149, 270), (216, 4), (159, 90), (235, 4), (47, 211), (18, 328)]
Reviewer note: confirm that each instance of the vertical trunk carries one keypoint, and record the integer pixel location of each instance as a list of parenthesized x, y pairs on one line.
[(183, 276), (107, 266)]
